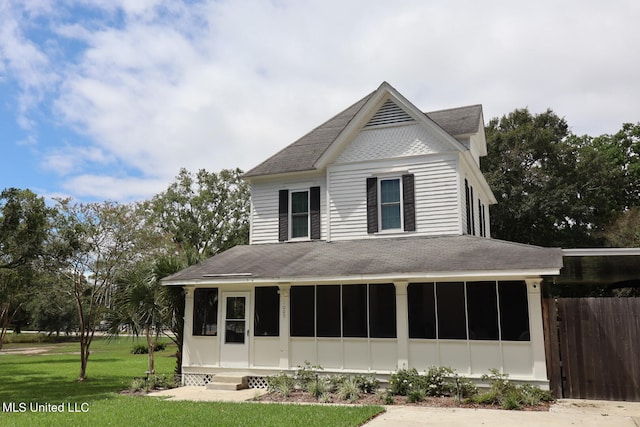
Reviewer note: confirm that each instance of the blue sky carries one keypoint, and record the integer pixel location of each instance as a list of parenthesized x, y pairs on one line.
[(108, 99)]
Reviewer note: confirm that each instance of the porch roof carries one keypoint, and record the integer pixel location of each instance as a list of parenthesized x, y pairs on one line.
[(370, 258)]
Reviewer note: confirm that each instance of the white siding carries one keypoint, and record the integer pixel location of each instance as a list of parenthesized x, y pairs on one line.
[(478, 194), (391, 142), (264, 207), (437, 210)]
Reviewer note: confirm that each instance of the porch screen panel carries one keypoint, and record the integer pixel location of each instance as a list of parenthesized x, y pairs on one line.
[(482, 308), (328, 309), (267, 315), (382, 311), (422, 311), (302, 299), (514, 311), (205, 312), (354, 311), (452, 322)]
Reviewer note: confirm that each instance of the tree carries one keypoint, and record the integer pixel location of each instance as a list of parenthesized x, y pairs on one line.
[(136, 303), (554, 188), (49, 308), (625, 231), (204, 213), (144, 306), (98, 241), (24, 223)]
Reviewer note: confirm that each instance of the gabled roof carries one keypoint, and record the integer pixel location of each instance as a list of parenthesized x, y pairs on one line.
[(303, 154), (454, 256)]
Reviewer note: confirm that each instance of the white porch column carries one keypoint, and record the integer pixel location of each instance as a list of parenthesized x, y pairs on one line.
[(285, 309), (402, 324), (536, 329), (187, 333)]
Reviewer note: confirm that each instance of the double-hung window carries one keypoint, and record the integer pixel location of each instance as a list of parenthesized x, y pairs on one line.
[(390, 204), (299, 214)]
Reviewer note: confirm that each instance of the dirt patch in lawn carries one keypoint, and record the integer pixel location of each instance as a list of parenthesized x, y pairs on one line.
[(25, 350)]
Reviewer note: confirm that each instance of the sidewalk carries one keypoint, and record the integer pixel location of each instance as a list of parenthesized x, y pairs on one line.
[(565, 412)]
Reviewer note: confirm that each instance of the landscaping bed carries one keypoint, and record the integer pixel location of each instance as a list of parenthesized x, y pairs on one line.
[(437, 387)]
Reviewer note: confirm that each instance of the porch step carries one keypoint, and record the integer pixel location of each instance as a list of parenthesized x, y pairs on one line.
[(228, 382)]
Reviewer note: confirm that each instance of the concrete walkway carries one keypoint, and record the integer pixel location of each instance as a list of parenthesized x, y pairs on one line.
[(565, 412)]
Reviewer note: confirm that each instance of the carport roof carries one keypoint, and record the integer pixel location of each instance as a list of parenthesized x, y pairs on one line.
[(371, 258)]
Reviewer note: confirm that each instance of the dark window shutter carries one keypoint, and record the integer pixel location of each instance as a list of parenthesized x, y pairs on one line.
[(473, 214), (372, 205), (283, 215), (467, 205), (314, 193), (409, 201)]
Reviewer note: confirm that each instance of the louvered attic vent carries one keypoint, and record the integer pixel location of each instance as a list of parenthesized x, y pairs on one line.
[(389, 114)]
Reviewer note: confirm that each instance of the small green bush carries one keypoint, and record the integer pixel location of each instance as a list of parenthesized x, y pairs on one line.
[(509, 395), (138, 384), (281, 384), (488, 398), (367, 384), (318, 386), (511, 400), (143, 349), (385, 397), (349, 390), (463, 388), (416, 395), (335, 381), (160, 382), (435, 382), (306, 374), (403, 381)]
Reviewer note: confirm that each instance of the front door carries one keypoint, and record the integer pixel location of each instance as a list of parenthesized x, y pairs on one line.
[(234, 351)]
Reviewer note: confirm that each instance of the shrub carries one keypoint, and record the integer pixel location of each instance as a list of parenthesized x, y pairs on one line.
[(416, 395), (159, 381), (317, 387), (463, 388), (435, 382), (511, 400), (138, 384), (335, 381), (403, 381), (488, 398), (499, 382), (281, 384), (143, 349), (385, 397), (306, 374), (367, 384), (508, 395), (533, 395), (349, 390)]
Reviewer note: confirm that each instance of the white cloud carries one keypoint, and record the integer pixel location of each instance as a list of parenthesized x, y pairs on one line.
[(103, 187), (223, 84)]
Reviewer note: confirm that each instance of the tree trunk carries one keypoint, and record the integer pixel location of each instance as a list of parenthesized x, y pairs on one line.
[(84, 354), (151, 347)]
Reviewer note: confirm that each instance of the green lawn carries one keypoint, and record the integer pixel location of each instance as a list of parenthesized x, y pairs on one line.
[(49, 379)]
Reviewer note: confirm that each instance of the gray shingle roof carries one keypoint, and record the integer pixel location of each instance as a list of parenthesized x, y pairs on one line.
[(303, 154), (420, 255), (458, 121)]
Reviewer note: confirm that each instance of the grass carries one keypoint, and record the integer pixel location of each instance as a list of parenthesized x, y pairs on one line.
[(49, 378)]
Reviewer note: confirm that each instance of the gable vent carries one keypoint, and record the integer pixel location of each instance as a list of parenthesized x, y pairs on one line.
[(389, 114)]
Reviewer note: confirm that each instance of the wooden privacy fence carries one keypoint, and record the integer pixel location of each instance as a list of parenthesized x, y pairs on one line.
[(593, 347)]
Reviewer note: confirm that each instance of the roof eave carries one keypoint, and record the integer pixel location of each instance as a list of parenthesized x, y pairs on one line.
[(515, 274)]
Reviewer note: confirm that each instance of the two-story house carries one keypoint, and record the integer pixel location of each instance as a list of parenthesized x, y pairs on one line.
[(370, 251)]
